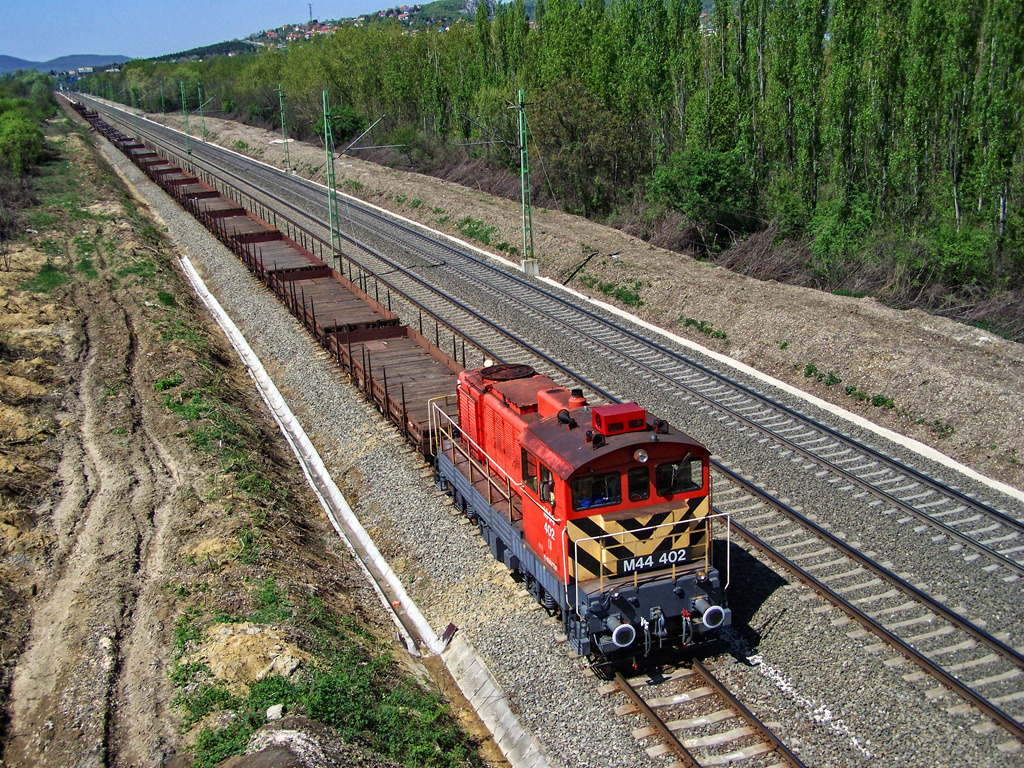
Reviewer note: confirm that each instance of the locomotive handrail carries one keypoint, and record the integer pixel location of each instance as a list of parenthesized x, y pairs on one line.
[(707, 551), (437, 417), (438, 429)]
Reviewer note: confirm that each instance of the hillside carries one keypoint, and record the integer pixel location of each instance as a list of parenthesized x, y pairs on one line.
[(60, 64)]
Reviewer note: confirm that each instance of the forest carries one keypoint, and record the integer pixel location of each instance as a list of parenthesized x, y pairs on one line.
[(857, 146)]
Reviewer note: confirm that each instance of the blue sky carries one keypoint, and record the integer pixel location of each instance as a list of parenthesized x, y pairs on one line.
[(40, 30)]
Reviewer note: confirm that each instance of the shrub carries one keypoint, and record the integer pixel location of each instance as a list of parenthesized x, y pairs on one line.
[(21, 142), (708, 186)]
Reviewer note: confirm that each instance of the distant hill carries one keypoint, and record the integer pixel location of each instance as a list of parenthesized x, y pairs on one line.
[(229, 47), (10, 63)]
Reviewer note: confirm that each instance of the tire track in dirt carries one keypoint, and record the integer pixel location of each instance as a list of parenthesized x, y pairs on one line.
[(89, 652)]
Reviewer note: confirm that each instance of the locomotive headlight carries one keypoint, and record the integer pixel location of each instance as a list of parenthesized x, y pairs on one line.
[(641, 456)]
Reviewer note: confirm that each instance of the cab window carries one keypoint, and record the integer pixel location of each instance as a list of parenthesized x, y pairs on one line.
[(592, 491), (547, 485), (529, 471), (639, 484), (678, 477)]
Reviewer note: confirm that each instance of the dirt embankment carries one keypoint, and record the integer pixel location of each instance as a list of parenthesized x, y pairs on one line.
[(161, 557), (948, 385)]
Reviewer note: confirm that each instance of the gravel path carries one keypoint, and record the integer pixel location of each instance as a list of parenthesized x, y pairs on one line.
[(453, 578)]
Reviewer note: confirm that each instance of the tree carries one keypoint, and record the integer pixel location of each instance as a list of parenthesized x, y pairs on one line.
[(21, 142), (708, 186)]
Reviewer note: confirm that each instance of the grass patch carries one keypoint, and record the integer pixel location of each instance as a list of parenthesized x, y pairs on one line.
[(706, 328), (178, 331), (84, 246), (165, 298), (143, 269), (186, 631), (353, 686), (169, 383), (85, 266), (51, 248), (476, 230), (851, 294), (273, 608), (48, 278)]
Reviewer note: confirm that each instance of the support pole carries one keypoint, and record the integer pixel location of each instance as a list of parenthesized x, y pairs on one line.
[(332, 193), (529, 262), (184, 114), (284, 130)]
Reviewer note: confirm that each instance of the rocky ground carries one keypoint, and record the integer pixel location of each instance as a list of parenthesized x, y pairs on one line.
[(163, 564), (948, 385)]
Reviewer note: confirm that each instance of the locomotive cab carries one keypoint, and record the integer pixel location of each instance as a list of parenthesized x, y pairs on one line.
[(631, 498)]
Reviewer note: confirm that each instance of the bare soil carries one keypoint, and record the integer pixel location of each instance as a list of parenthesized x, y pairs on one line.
[(954, 387), (116, 519)]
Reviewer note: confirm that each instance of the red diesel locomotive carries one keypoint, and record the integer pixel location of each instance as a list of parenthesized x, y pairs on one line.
[(603, 512)]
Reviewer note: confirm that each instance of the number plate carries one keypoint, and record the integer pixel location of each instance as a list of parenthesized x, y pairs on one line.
[(652, 562)]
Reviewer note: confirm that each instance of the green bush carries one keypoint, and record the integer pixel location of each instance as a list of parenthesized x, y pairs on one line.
[(710, 187), (841, 227), (21, 142)]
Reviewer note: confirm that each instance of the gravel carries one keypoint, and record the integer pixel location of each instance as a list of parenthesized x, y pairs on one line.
[(839, 702)]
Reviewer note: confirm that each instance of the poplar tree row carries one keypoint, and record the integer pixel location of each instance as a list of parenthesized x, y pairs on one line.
[(876, 130)]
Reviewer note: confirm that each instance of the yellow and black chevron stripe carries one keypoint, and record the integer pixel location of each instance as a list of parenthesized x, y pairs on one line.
[(627, 541)]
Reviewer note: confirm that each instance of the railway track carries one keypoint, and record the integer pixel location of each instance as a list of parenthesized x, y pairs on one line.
[(971, 648), (957, 653), (988, 538), (692, 716)]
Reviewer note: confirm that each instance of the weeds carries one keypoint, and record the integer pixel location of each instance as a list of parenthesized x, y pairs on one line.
[(185, 632), (178, 331), (706, 328), (86, 267), (51, 248), (169, 383), (273, 608), (249, 541), (883, 401), (854, 391), (165, 298), (48, 278), (476, 230), (353, 687), (942, 429)]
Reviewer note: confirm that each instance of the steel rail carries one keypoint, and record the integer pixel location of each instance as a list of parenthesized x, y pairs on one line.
[(740, 708), (1006, 721), (673, 743), (1007, 652), (490, 324)]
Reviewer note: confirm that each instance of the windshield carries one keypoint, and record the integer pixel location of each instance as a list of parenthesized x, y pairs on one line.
[(678, 477)]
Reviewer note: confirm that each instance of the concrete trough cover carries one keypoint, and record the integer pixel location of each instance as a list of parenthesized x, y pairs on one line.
[(488, 699)]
